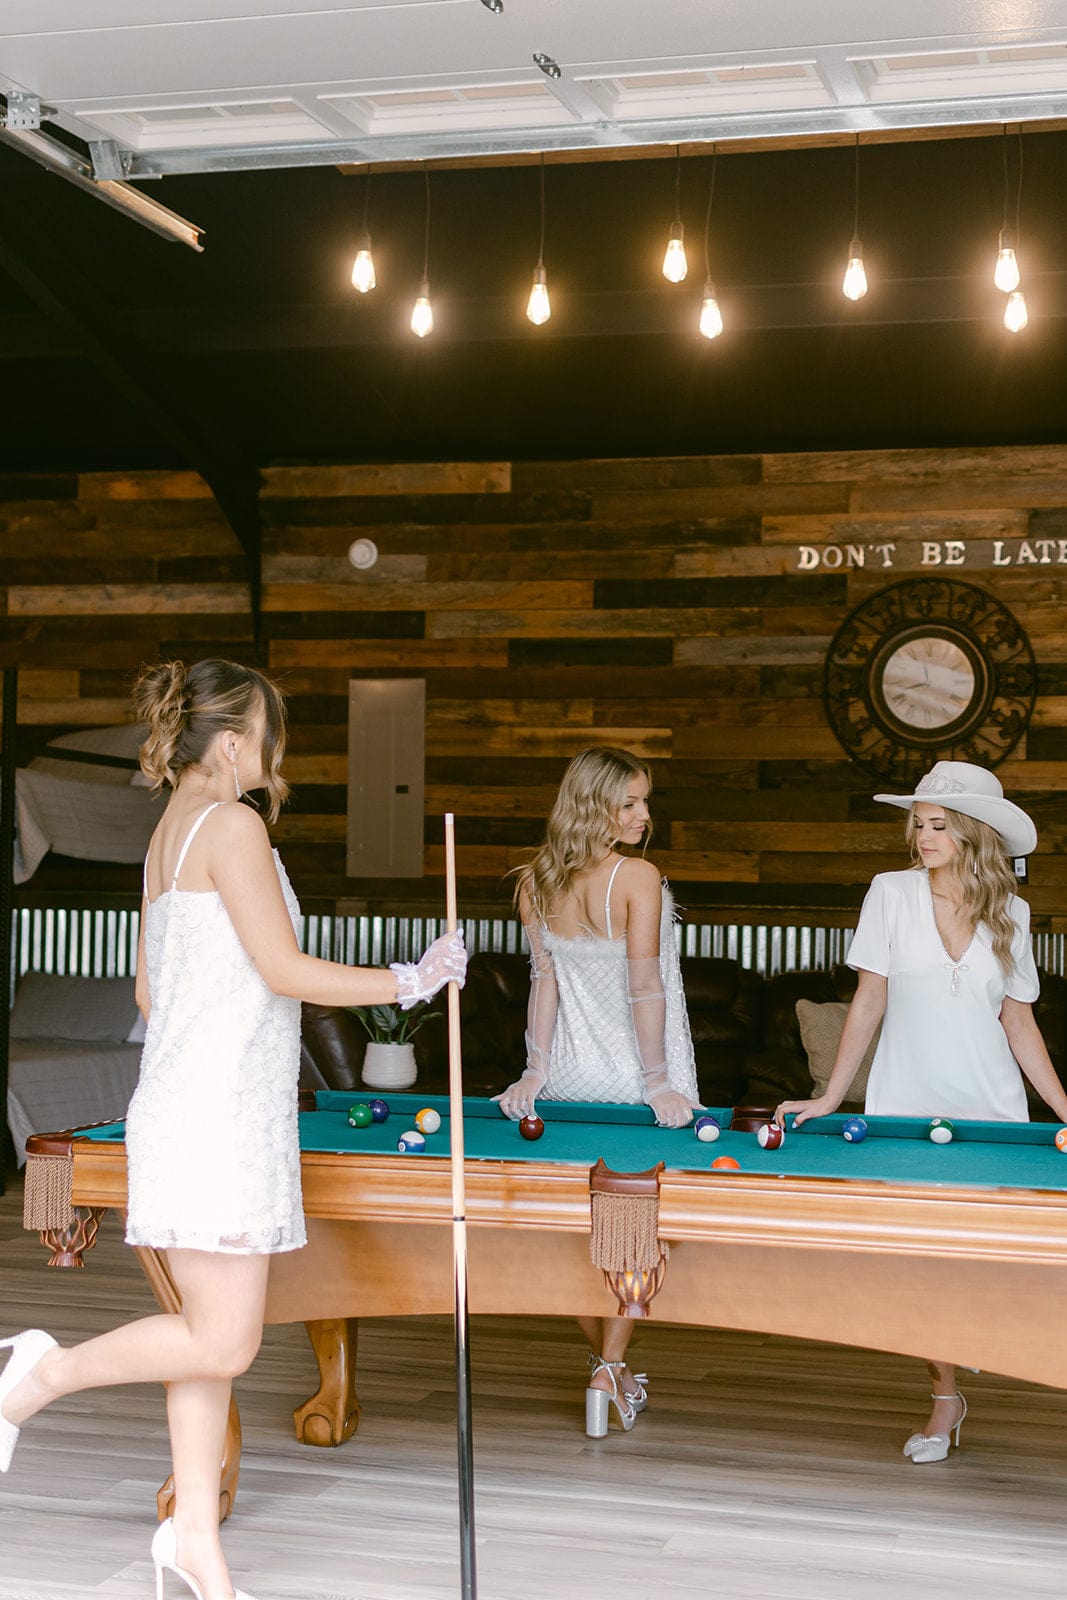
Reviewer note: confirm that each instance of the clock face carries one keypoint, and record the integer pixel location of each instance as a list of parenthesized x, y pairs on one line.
[(925, 669), (928, 683)]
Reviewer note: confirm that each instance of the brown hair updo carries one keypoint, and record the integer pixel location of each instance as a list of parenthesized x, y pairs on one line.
[(186, 708)]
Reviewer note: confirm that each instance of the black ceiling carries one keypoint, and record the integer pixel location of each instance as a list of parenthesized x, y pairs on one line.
[(260, 346)]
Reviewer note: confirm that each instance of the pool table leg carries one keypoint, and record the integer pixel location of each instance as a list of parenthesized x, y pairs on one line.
[(332, 1414)]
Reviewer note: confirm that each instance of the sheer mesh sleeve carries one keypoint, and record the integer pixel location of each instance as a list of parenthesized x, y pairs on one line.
[(541, 1011), (648, 1013)]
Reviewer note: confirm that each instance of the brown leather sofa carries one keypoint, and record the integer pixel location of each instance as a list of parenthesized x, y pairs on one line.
[(745, 1032)]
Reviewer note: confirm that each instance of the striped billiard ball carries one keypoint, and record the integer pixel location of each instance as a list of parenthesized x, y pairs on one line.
[(941, 1131), (706, 1129), (771, 1136), (427, 1120), (411, 1143)]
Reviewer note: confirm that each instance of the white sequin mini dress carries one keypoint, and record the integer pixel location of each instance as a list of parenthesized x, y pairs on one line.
[(212, 1137), (594, 1052)]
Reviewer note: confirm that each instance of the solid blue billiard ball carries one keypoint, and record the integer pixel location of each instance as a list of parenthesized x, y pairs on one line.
[(379, 1110), (854, 1130), (411, 1143), (706, 1128)]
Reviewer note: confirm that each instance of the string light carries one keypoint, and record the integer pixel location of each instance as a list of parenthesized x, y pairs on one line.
[(711, 323), (422, 311), (538, 307), (675, 264), (854, 283), (1006, 272), (1016, 315), (363, 277)]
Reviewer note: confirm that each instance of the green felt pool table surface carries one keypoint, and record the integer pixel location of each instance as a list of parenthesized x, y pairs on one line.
[(896, 1150)]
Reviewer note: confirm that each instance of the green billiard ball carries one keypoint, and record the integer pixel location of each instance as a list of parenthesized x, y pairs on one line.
[(941, 1131), (360, 1116)]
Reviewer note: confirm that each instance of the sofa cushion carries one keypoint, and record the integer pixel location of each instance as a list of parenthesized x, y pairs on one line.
[(94, 1010), (821, 1025)]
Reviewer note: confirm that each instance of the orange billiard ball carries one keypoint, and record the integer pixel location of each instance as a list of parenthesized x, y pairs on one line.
[(725, 1164), (1061, 1140)]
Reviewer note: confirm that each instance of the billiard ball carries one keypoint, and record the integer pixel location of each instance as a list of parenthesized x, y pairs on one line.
[(1061, 1141), (428, 1120), (360, 1116), (379, 1110), (854, 1130), (411, 1143), (771, 1136), (707, 1129), (941, 1130), (531, 1127), (725, 1164)]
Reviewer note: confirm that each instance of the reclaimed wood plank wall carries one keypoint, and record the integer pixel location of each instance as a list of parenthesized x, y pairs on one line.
[(653, 603)]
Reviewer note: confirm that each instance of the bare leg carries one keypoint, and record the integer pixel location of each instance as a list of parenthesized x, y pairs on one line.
[(609, 1337), (197, 1352), (946, 1413)]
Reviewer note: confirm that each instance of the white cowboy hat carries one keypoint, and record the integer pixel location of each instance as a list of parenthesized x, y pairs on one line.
[(959, 786)]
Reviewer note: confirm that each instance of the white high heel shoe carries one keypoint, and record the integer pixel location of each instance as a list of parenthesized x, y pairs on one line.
[(164, 1552), (638, 1397), (925, 1447), (598, 1401), (26, 1350)]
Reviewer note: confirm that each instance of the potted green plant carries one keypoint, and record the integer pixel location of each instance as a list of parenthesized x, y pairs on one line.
[(389, 1062)]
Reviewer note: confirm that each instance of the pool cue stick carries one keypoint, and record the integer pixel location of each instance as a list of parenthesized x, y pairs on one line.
[(464, 1435)]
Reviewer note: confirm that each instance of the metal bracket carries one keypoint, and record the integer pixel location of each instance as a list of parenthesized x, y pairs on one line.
[(111, 163), (23, 111)]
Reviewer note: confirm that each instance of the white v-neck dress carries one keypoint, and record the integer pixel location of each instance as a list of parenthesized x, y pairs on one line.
[(943, 1051), (212, 1136)]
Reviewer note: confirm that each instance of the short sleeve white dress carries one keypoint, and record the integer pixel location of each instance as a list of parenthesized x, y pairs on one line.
[(212, 1134), (943, 1051), (594, 1053)]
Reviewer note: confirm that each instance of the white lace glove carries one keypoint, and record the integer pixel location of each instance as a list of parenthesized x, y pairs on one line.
[(648, 1013), (444, 962), (518, 1099)]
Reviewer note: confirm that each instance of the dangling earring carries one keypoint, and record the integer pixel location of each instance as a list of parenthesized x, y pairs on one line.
[(236, 779)]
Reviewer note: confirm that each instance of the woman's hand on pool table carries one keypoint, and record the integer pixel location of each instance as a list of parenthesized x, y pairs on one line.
[(801, 1110), (518, 1098), (672, 1110)]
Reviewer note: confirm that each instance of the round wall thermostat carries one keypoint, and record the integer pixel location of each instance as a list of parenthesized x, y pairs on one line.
[(363, 553)]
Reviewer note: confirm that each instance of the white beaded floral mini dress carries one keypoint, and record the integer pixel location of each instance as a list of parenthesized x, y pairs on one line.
[(212, 1136)]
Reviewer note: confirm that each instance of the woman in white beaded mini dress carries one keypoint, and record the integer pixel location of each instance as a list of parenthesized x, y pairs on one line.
[(945, 964), (607, 1018), (211, 1136)]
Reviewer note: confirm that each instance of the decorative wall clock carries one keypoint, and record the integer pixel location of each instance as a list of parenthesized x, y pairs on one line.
[(927, 670)]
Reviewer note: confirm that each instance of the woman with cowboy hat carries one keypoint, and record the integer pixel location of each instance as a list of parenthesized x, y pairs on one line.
[(945, 964)]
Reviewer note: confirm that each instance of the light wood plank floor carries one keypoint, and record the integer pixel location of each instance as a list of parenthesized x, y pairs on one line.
[(763, 1468)]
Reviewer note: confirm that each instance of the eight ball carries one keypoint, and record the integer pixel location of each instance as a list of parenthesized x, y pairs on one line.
[(531, 1127)]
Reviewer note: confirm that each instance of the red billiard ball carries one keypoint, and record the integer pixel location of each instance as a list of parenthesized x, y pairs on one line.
[(771, 1136), (531, 1127), (725, 1164), (1061, 1141)]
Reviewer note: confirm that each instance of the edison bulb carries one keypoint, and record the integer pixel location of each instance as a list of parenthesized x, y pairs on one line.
[(1015, 313), (538, 307), (1006, 271), (422, 313), (675, 263), (854, 284), (710, 316), (363, 277)]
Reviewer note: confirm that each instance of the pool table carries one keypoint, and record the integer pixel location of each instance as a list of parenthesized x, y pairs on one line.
[(955, 1251)]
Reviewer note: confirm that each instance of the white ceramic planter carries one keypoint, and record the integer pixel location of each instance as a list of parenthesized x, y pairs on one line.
[(389, 1066)]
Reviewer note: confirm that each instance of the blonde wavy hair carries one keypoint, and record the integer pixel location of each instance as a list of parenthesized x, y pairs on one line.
[(582, 825), (187, 707), (984, 876)]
